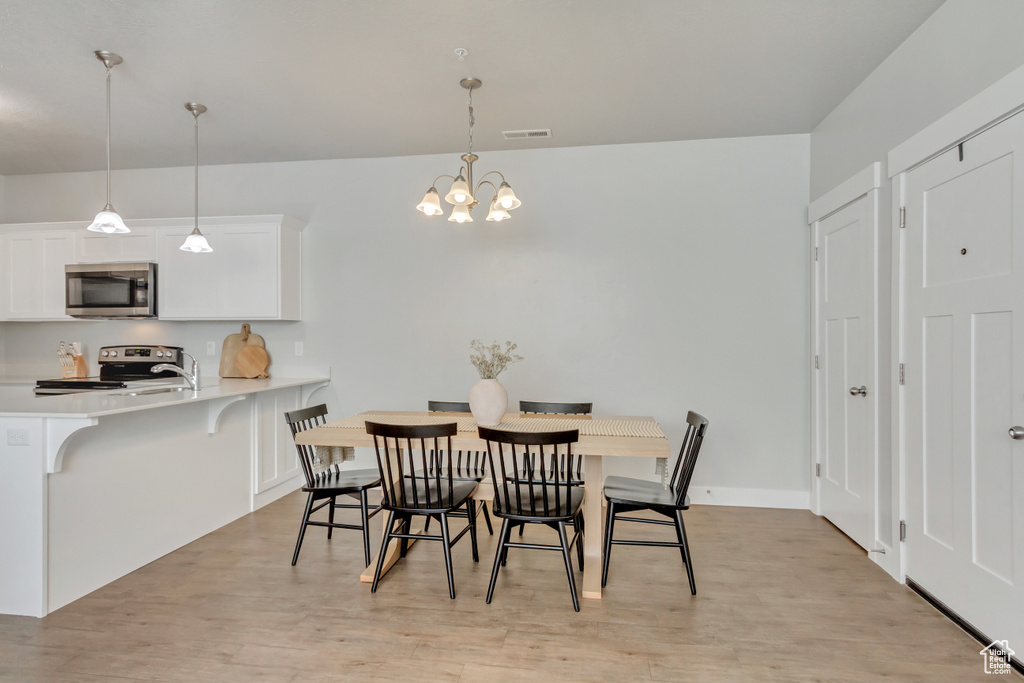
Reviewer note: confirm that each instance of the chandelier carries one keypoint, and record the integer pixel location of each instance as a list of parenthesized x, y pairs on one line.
[(463, 195)]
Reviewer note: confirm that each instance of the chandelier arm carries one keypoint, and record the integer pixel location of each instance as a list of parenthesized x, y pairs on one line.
[(497, 173), (486, 182), (443, 175)]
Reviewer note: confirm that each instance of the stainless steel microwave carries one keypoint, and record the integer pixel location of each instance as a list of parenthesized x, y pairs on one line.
[(110, 290)]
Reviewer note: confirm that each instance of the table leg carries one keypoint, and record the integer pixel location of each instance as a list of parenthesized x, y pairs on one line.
[(593, 519)]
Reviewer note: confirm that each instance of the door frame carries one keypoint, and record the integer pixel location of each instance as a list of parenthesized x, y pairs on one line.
[(995, 104), (865, 184)]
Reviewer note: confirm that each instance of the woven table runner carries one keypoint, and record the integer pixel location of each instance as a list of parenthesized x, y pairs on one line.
[(588, 427)]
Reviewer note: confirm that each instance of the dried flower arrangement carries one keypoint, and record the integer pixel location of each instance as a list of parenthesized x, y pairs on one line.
[(491, 360)]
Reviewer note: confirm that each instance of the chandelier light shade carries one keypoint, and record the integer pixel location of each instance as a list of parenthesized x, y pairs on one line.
[(107, 220), (463, 195), (196, 242)]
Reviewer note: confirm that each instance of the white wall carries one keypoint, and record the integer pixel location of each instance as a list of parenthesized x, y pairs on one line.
[(650, 279), (964, 47)]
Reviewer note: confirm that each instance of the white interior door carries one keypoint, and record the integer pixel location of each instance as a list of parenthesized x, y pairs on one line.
[(845, 396), (963, 331)]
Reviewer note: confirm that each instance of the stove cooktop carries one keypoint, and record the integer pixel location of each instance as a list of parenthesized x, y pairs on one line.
[(120, 367)]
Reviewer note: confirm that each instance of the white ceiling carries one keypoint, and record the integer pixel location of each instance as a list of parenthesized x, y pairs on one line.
[(329, 79)]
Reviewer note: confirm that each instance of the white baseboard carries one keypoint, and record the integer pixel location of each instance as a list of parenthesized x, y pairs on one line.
[(751, 498)]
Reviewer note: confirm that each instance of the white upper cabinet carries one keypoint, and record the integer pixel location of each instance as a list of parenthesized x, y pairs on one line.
[(253, 272), (33, 276), (138, 246)]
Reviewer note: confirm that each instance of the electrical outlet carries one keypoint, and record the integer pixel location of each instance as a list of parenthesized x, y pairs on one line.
[(298, 348), (17, 437), (211, 349)]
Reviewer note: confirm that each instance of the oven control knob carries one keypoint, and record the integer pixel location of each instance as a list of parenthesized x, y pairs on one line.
[(114, 354), (106, 353), (159, 354)]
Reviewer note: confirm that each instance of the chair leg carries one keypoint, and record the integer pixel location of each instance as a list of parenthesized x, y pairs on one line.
[(487, 517), (471, 513), (499, 555), (426, 524), (330, 516), (568, 565), (365, 512), (406, 529), (448, 555), (383, 550), (685, 548), (302, 528), (609, 523)]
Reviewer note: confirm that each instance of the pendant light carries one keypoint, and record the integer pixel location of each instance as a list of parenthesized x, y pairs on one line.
[(463, 195), (107, 220), (196, 242)]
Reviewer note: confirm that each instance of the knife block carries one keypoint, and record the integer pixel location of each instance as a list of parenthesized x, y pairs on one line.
[(79, 369)]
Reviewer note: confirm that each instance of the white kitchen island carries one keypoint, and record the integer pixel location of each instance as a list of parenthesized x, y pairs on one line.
[(98, 484)]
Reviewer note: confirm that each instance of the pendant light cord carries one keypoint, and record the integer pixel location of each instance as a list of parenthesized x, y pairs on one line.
[(197, 169), (108, 136)]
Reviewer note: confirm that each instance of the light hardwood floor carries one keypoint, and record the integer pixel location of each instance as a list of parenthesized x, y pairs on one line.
[(781, 596)]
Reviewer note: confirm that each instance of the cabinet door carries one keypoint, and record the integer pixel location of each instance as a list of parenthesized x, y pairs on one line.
[(35, 268), (138, 246), (187, 283), (276, 458), (239, 280)]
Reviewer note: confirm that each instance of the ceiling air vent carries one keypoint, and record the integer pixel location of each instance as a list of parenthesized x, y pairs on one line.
[(526, 134)]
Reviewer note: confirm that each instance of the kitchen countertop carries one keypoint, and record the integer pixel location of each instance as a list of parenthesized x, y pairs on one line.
[(17, 400)]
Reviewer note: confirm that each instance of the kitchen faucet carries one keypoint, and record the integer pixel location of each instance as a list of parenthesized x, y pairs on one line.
[(193, 378)]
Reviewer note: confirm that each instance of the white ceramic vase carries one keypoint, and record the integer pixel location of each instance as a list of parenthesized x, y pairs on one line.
[(488, 401)]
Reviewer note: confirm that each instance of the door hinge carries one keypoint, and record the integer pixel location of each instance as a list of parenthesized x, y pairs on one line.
[(816, 366), (903, 531), (903, 376), (903, 216), (815, 254), (817, 469)]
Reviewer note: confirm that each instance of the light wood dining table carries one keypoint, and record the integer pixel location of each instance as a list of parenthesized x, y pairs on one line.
[(633, 437)]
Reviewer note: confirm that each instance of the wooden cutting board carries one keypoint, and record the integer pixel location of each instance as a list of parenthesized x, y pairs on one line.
[(252, 361), (233, 345)]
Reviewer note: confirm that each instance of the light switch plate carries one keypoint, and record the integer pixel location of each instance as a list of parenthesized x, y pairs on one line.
[(298, 348), (211, 349)]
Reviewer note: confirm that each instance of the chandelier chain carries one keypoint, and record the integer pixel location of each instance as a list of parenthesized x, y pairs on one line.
[(472, 120)]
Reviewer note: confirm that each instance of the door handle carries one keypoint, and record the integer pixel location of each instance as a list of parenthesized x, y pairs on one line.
[(863, 391), (1017, 432)]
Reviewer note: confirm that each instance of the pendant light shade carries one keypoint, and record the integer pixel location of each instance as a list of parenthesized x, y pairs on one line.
[(496, 213), (431, 204), (460, 214), (107, 220), (459, 195), (196, 242), (507, 198)]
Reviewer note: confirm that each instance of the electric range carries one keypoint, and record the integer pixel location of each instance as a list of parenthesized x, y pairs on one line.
[(121, 367)]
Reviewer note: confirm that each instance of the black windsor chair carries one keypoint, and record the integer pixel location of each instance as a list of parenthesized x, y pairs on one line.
[(552, 408), (325, 481), (523, 497), (411, 488), (469, 465), (625, 494)]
